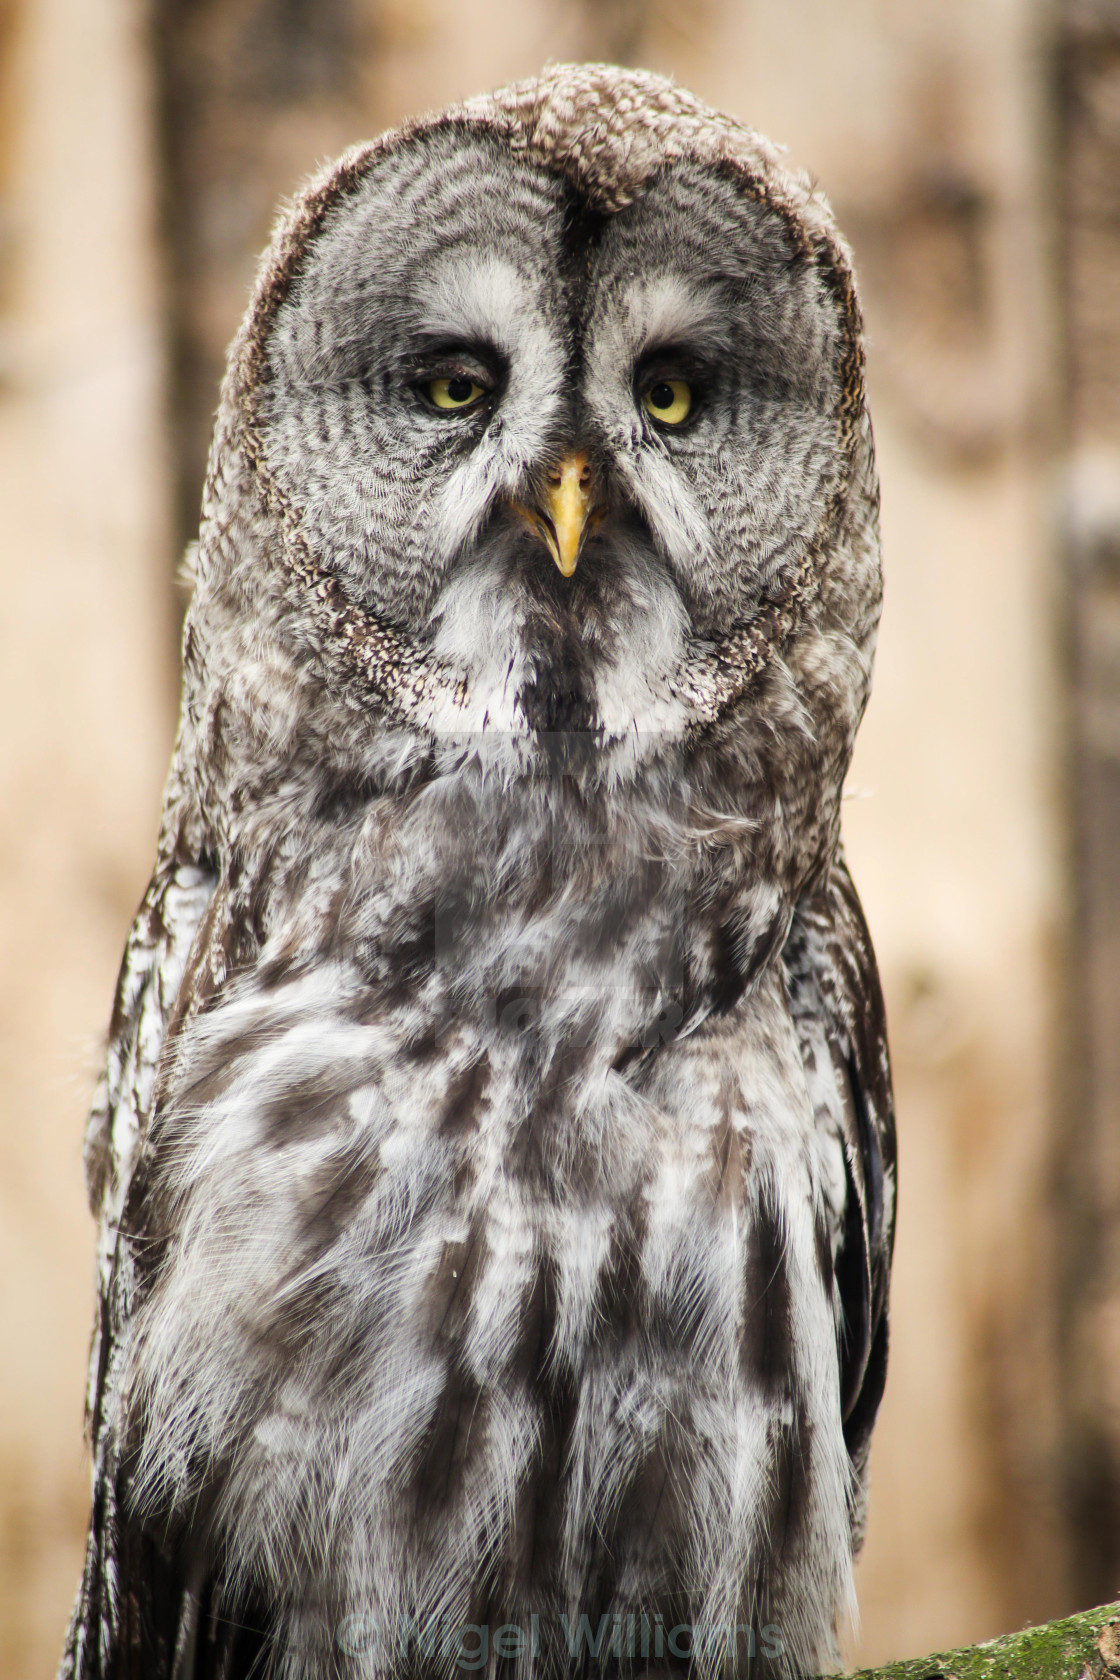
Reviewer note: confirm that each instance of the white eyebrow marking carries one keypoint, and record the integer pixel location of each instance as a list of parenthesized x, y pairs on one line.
[(474, 296), (667, 310), (670, 309)]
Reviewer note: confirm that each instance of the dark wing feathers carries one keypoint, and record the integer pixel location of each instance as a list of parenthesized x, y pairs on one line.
[(132, 1596), (834, 984)]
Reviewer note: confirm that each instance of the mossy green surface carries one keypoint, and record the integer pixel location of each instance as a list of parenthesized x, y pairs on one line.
[(1083, 1647)]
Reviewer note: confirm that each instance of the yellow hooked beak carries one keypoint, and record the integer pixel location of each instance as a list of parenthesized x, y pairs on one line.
[(567, 511)]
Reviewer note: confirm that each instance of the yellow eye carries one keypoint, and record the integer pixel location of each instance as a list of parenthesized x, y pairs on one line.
[(456, 392), (668, 401)]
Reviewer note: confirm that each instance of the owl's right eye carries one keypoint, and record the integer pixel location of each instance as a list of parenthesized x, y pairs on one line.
[(455, 393)]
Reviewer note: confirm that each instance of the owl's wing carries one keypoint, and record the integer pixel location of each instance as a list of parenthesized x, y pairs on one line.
[(837, 1005), (115, 1615)]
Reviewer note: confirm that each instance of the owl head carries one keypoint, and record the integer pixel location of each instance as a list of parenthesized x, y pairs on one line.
[(547, 416)]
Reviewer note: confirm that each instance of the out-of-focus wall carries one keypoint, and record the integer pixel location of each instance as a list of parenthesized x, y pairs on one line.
[(1087, 81), (86, 712), (925, 120)]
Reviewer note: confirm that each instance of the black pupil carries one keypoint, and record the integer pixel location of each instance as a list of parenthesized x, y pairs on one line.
[(459, 389), (661, 396)]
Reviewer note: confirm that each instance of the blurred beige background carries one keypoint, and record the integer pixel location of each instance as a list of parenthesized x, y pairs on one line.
[(966, 146)]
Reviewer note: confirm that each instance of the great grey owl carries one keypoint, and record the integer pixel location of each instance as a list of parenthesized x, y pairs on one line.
[(495, 1157)]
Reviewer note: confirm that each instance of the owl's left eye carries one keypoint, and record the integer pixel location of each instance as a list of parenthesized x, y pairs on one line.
[(668, 401), (457, 392)]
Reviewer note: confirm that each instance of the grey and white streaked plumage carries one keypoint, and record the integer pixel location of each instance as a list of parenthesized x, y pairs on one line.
[(495, 1156)]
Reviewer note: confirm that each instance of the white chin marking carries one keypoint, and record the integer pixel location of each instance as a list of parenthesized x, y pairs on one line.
[(479, 624)]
